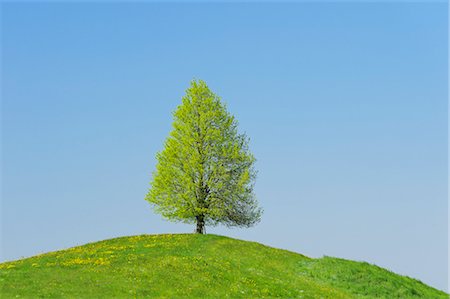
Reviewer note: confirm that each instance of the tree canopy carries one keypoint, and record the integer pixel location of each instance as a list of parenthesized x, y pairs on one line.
[(205, 174)]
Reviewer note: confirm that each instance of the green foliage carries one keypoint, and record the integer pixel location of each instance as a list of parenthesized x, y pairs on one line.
[(198, 266), (205, 173)]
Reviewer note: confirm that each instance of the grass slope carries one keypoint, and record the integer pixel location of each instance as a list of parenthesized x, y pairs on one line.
[(206, 266)]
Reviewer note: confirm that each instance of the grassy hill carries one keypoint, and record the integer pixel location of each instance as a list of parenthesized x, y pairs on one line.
[(205, 266)]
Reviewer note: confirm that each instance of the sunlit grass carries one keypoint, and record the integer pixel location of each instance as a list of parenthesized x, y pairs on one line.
[(203, 266)]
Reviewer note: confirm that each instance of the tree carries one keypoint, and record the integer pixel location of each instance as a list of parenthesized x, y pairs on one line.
[(205, 174)]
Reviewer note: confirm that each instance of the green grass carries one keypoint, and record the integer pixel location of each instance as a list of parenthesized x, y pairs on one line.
[(203, 266)]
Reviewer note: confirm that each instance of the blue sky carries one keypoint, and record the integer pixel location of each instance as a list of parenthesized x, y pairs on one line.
[(345, 105)]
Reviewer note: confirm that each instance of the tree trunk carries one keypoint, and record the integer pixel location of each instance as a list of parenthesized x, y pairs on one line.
[(200, 224)]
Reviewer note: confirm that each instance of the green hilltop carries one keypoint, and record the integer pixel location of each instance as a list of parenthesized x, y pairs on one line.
[(202, 266)]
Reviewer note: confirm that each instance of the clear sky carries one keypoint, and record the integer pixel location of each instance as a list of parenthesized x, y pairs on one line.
[(345, 105)]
